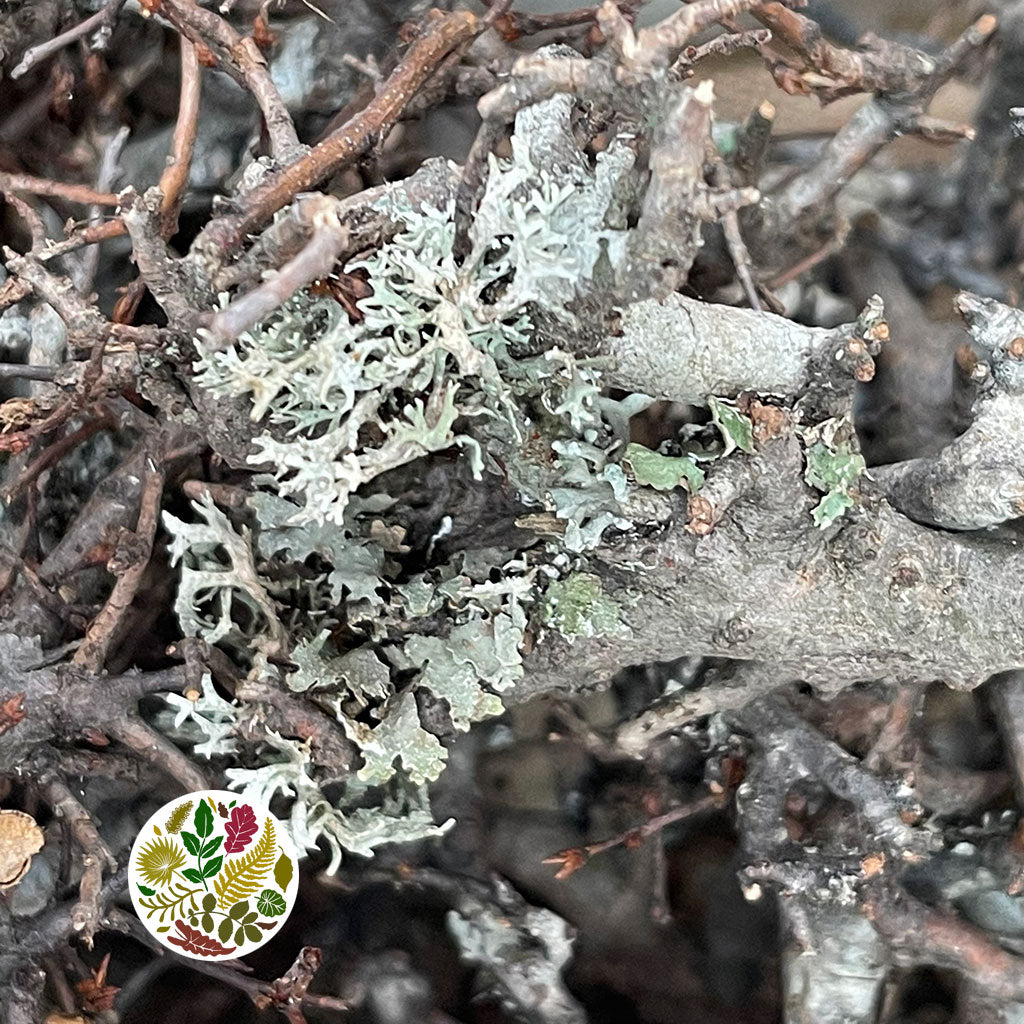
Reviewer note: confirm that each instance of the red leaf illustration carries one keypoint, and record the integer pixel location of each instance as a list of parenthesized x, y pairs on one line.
[(192, 940), (240, 828)]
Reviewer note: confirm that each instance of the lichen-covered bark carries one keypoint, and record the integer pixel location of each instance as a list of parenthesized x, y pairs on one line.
[(875, 596)]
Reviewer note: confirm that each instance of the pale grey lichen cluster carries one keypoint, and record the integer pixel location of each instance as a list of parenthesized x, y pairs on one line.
[(444, 355), (448, 352)]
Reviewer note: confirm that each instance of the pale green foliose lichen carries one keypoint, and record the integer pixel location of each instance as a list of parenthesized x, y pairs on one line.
[(579, 606), (663, 472), (833, 470), (736, 429)]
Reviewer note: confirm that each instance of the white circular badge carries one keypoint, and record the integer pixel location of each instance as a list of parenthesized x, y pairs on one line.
[(212, 875)]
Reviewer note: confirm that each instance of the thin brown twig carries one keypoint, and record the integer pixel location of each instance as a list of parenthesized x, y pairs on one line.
[(809, 262), (88, 912), (287, 992), (722, 45), (793, 217), (348, 143), (24, 371), (514, 25), (18, 441), (832, 71), (62, 190), (573, 859), (740, 256), (244, 62), (86, 324), (58, 979), (34, 54), (53, 454), (128, 564), (175, 175), (12, 559), (656, 46), (88, 234), (925, 936), (730, 221), (31, 217), (154, 747)]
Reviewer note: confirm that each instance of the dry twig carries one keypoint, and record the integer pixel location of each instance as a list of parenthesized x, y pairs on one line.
[(244, 62), (348, 143), (573, 859), (44, 187), (128, 564), (317, 258), (103, 18)]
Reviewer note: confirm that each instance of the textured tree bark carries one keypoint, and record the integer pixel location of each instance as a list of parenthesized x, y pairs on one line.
[(875, 596), (977, 481)]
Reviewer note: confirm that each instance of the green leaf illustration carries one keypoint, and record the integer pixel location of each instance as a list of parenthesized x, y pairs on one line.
[(146, 891), (191, 842), (243, 876), (203, 820), (271, 903), (239, 910), (164, 928), (209, 901), (177, 818), (211, 847), (207, 923), (211, 867), (283, 872), (239, 936), (192, 875), (224, 931), (251, 933)]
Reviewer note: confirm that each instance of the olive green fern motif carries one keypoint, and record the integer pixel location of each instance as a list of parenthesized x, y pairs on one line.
[(241, 877), (159, 859), (172, 900)]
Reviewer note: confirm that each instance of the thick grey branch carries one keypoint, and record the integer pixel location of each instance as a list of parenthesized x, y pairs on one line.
[(875, 596), (978, 480), (685, 350)]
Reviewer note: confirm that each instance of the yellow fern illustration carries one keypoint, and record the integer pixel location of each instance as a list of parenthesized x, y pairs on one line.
[(242, 876)]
